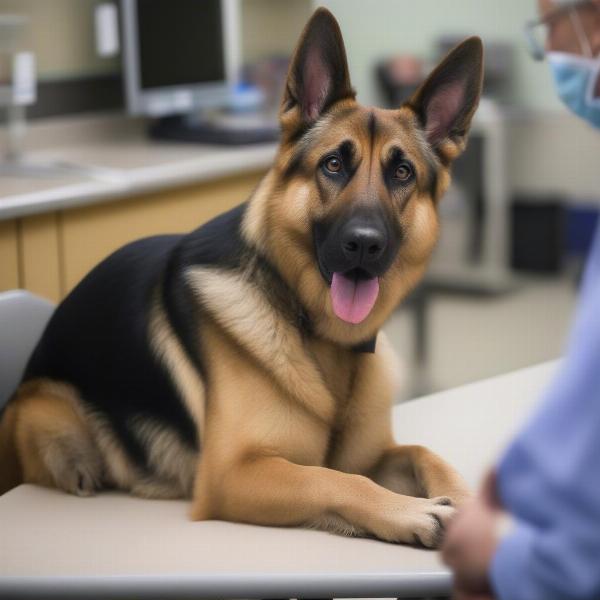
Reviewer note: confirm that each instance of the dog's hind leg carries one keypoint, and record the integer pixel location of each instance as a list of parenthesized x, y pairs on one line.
[(157, 489), (55, 446), (10, 470)]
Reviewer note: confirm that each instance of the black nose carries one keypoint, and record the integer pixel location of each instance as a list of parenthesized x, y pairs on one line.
[(363, 244)]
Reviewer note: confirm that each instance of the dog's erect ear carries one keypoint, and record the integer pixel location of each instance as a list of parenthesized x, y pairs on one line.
[(447, 100), (318, 74)]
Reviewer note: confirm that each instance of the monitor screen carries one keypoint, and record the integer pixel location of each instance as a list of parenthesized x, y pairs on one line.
[(180, 42)]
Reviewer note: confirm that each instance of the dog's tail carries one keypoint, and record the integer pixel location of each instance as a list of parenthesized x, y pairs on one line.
[(10, 468)]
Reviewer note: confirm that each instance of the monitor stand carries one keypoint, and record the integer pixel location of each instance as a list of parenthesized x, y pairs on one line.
[(223, 129)]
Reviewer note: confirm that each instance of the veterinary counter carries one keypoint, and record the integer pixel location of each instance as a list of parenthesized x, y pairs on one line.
[(89, 186)]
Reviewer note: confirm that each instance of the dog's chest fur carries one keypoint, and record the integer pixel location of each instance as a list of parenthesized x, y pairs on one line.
[(314, 372), (338, 367)]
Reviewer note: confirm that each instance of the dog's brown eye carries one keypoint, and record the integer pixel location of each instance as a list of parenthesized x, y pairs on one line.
[(333, 164), (403, 172)]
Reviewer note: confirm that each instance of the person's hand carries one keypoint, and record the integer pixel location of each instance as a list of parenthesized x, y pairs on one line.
[(471, 542)]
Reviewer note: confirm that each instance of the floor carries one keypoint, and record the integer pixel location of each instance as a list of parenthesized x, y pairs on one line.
[(472, 338)]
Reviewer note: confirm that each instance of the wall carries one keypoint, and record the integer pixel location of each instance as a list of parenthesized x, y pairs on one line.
[(271, 27), (554, 151), (61, 33), (378, 28), (550, 150)]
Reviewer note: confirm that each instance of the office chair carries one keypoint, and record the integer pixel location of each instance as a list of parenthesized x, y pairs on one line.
[(23, 317)]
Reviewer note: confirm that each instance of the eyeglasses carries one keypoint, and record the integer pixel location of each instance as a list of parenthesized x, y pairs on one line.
[(536, 30)]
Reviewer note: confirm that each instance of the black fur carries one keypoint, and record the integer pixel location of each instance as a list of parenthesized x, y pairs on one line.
[(322, 37), (98, 338), (217, 243), (463, 66), (372, 127), (328, 236)]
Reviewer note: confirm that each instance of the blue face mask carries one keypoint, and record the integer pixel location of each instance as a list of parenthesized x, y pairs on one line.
[(575, 78)]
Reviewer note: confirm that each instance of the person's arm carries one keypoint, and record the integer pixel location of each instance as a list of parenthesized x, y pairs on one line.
[(549, 480)]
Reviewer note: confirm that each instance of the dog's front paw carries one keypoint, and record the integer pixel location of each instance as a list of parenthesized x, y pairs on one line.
[(431, 520), (418, 521)]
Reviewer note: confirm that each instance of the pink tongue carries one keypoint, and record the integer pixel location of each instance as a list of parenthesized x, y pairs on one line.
[(353, 299)]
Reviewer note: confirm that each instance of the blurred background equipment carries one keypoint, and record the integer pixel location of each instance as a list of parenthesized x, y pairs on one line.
[(400, 76), (17, 84), (180, 61), (499, 74), (472, 252), (106, 22), (538, 235)]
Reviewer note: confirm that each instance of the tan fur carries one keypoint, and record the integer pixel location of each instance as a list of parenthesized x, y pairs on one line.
[(266, 460), (11, 473), (174, 463), (244, 312), (119, 470), (61, 444), (294, 426), (277, 219), (183, 374), (55, 445), (256, 465)]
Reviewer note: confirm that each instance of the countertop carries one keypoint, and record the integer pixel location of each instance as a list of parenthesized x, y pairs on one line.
[(107, 158), (115, 546)]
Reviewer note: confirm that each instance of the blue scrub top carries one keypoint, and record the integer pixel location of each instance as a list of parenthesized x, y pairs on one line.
[(549, 479)]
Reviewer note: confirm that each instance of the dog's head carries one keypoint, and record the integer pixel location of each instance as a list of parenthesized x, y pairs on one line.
[(349, 213)]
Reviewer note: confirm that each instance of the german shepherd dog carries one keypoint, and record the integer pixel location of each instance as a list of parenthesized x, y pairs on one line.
[(240, 365)]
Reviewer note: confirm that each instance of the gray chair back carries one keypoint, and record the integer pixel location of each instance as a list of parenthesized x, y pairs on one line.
[(23, 317)]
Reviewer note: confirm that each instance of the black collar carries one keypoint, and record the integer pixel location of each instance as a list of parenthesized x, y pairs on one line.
[(367, 347)]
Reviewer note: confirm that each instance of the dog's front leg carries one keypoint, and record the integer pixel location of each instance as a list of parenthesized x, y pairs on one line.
[(270, 490), (419, 471)]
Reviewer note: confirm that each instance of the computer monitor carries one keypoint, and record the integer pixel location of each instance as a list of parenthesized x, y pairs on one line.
[(179, 55)]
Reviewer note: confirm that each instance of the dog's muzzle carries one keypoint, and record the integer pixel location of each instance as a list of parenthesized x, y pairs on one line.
[(353, 252)]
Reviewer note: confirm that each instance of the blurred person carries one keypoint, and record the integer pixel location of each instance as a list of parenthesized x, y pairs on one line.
[(533, 531)]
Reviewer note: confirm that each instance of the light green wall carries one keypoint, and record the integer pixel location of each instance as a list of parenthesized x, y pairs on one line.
[(61, 34), (378, 28), (271, 27)]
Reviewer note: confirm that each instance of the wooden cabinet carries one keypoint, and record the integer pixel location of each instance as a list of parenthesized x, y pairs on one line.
[(39, 256), (9, 255), (49, 254)]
